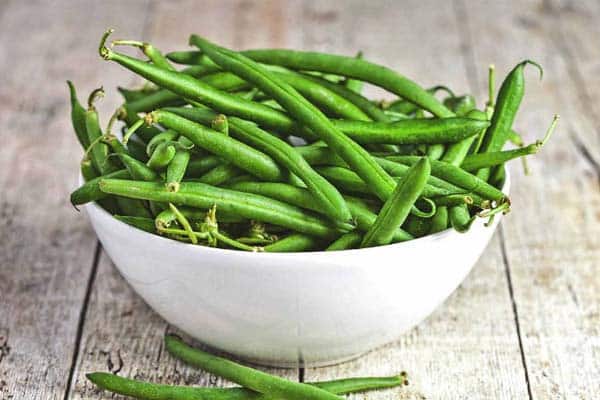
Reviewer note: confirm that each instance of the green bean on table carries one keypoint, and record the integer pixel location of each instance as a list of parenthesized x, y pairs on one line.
[(154, 391)]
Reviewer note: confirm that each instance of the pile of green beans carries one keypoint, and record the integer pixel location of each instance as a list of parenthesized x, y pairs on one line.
[(278, 150), (255, 384)]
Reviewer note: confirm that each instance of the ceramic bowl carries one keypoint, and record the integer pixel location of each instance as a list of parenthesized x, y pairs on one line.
[(291, 309)]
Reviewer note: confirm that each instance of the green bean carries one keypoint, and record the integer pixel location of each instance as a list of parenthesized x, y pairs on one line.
[(324, 193), (155, 56), (199, 166), (507, 104), (328, 100), (456, 176), (398, 206), (90, 191), (176, 169), (195, 90), (97, 149), (189, 57), (245, 205), (435, 151), (406, 107), (144, 133), (460, 105), (220, 124), (353, 68), (78, 117), (137, 169), (228, 148), (456, 153), (474, 162), (439, 221), (132, 207), (460, 219), (412, 131), (417, 227), (220, 174), (294, 243), (248, 377), (131, 95), (300, 197), (154, 391), (352, 84), (162, 156), (145, 224), (364, 104), (348, 240), (87, 170), (165, 136), (358, 158)]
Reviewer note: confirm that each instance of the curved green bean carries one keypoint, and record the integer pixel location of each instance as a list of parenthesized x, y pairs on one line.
[(199, 195), (294, 243), (348, 240), (398, 206)]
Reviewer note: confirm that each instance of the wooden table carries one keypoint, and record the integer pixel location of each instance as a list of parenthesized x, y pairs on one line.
[(524, 324)]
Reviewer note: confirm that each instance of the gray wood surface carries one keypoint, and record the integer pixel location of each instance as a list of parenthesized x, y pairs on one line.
[(524, 324)]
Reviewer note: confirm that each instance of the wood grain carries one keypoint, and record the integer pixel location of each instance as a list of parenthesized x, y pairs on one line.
[(46, 247), (550, 241)]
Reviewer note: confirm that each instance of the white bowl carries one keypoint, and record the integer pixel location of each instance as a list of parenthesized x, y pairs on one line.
[(290, 309)]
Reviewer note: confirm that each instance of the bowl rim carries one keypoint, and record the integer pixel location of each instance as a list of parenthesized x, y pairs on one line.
[(449, 232)]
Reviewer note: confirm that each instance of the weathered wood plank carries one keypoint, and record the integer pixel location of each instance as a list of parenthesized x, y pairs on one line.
[(121, 333), (469, 347), (551, 240), (46, 248)]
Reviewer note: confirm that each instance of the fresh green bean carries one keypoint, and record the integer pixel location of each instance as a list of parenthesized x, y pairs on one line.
[(398, 206), (325, 194), (477, 161), (97, 149), (78, 117), (153, 391), (370, 109), (302, 198), (189, 57), (193, 89), (176, 169), (348, 240), (412, 131), (456, 176), (162, 155), (90, 191), (137, 169), (87, 170), (439, 221), (165, 136), (143, 223), (245, 205), (460, 219), (155, 56), (460, 105), (505, 110), (353, 68), (250, 378), (133, 207), (199, 166), (219, 175), (294, 243), (353, 84), (226, 147), (358, 158), (406, 108)]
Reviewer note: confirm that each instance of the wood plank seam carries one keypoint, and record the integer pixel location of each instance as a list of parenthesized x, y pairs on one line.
[(585, 153), (514, 308), (81, 320)]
